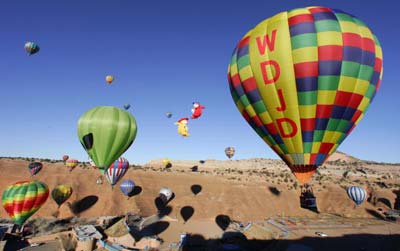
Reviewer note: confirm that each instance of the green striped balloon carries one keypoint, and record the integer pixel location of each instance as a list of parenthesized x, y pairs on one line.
[(106, 132), (22, 199)]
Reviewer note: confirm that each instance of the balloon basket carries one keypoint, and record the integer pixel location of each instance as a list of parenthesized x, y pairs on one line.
[(308, 199)]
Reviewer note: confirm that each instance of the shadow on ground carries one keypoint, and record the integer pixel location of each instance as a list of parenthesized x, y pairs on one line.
[(84, 204)]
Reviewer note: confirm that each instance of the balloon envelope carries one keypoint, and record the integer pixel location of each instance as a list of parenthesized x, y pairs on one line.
[(168, 114), (303, 79), (229, 152), (127, 106), (31, 48), (61, 193), (127, 187), (35, 167), (23, 199), (65, 157), (109, 79), (106, 132), (116, 170), (357, 194), (71, 164)]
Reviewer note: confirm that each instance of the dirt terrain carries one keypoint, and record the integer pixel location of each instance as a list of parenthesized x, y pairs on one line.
[(247, 191)]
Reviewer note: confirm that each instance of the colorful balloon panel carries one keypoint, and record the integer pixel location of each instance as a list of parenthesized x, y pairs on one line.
[(106, 132), (303, 79), (23, 199)]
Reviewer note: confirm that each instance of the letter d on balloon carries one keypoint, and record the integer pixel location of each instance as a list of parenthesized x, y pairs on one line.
[(290, 123), (266, 67)]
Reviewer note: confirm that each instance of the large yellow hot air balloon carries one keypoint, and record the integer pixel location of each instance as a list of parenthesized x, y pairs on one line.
[(303, 79)]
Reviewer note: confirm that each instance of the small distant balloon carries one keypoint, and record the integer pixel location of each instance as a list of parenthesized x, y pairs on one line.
[(127, 106), (71, 164), (165, 194), (229, 152), (109, 79), (182, 127), (65, 157), (168, 114), (116, 170), (35, 167), (31, 48), (357, 194), (166, 163), (197, 110), (127, 187)]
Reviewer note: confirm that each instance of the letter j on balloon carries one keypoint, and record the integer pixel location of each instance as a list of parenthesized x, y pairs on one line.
[(303, 79)]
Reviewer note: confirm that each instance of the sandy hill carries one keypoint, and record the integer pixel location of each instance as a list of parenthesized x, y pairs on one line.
[(242, 189)]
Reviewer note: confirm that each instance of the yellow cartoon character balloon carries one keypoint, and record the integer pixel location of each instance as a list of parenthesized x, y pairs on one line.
[(182, 127), (303, 79)]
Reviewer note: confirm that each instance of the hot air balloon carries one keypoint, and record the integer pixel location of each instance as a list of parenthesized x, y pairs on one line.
[(23, 199), (61, 194), (168, 114), (116, 170), (109, 79), (31, 48), (35, 167), (357, 194), (166, 163), (182, 127), (197, 110), (127, 106), (229, 152), (65, 157), (303, 80), (127, 187), (71, 164), (106, 132), (165, 194)]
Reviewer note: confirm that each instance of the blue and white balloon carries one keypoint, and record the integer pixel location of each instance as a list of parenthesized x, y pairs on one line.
[(127, 187), (357, 194)]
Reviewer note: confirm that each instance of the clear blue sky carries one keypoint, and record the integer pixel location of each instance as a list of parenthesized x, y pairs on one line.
[(164, 55)]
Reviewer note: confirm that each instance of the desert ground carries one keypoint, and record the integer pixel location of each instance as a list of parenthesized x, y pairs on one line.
[(261, 194)]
